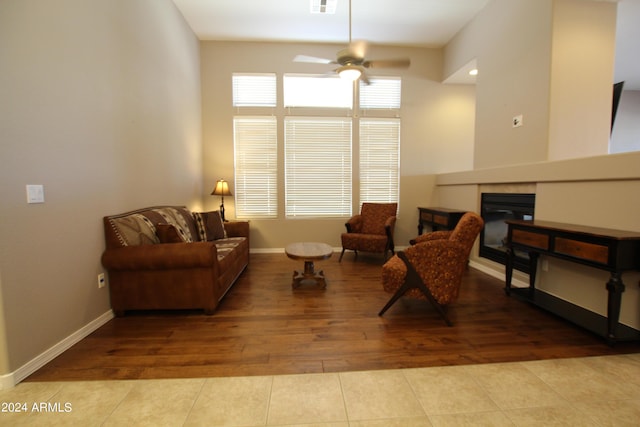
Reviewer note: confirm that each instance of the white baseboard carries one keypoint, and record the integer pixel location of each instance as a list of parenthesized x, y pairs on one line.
[(497, 274), (10, 380)]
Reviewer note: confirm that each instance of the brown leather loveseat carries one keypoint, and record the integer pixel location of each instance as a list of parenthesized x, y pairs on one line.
[(167, 257)]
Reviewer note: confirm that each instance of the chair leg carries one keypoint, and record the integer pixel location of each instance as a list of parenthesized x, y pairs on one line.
[(413, 280), (341, 254), (399, 293)]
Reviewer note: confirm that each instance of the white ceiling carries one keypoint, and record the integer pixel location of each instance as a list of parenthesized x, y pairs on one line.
[(427, 23), (417, 23)]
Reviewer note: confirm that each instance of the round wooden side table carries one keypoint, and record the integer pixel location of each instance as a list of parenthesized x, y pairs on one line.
[(309, 252)]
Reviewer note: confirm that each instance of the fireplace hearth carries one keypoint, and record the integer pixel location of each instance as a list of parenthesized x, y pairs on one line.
[(496, 208)]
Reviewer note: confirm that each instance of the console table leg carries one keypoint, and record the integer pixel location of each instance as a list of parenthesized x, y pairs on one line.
[(615, 287), (508, 271), (533, 271)]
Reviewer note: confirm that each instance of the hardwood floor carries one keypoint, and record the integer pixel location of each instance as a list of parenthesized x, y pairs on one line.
[(263, 327)]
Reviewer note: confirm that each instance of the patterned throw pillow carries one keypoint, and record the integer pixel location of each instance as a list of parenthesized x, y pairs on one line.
[(210, 226), (167, 233), (134, 230), (174, 217)]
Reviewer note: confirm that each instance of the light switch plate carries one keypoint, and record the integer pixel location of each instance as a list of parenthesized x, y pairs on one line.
[(35, 193)]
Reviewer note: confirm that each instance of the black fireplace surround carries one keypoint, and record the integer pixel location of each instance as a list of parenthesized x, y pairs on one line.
[(495, 209)]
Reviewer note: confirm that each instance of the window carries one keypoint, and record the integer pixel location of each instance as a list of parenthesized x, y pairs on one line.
[(317, 167), (317, 91), (255, 145), (379, 160), (325, 120), (254, 90), (380, 142), (381, 93), (256, 167)]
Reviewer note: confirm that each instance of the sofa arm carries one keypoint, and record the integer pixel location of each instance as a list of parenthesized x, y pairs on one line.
[(237, 228), (163, 256)]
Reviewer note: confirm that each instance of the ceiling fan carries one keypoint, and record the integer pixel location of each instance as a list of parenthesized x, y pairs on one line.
[(351, 60)]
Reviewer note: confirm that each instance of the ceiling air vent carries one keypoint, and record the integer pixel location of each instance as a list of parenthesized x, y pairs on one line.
[(323, 6)]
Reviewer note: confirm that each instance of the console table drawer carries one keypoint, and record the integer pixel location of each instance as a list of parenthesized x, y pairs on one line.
[(583, 250), (441, 220), (426, 216), (438, 218), (528, 238)]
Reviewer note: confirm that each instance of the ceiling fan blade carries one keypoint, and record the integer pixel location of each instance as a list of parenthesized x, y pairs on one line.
[(387, 63), (364, 79), (313, 59)]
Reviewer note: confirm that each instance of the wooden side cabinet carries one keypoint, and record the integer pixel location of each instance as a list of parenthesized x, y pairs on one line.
[(438, 218)]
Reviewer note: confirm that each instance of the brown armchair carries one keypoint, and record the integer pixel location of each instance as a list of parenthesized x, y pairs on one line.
[(371, 230), (432, 269)]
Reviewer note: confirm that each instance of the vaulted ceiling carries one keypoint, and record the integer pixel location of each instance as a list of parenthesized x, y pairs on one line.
[(424, 23)]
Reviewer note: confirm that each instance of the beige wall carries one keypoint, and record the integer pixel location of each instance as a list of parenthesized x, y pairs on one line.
[(550, 61), (511, 41), (582, 57), (437, 130), (101, 105)]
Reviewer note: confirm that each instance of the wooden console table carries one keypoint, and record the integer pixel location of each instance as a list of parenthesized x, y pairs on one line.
[(438, 218), (612, 250)]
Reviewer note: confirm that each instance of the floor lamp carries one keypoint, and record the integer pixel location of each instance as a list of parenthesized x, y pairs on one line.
[(221, 189)]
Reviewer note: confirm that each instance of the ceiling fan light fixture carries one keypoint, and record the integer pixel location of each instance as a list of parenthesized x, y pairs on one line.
[(349, 72)]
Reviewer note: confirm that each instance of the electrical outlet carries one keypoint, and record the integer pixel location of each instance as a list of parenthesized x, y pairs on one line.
[(101, 280), (517, 121), (545, 265)]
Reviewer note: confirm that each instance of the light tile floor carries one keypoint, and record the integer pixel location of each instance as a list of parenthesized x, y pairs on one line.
[(597, 391)]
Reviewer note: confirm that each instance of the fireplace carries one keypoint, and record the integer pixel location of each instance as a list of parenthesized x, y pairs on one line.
[(495, 209)]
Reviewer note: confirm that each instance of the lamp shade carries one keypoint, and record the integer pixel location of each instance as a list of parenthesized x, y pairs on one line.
[(221, 189)]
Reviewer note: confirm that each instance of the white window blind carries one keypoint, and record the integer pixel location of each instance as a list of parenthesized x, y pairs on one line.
[(317, 167), (254, 90), (381, 93), (256, 167), (379, 160)]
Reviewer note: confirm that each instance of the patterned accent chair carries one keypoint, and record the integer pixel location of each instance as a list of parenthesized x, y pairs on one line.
[(371, 230), (432, 269)]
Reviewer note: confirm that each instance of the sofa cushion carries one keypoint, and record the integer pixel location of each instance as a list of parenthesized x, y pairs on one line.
[(227, 245), (167, 233), (134, 230), (210, 226)]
